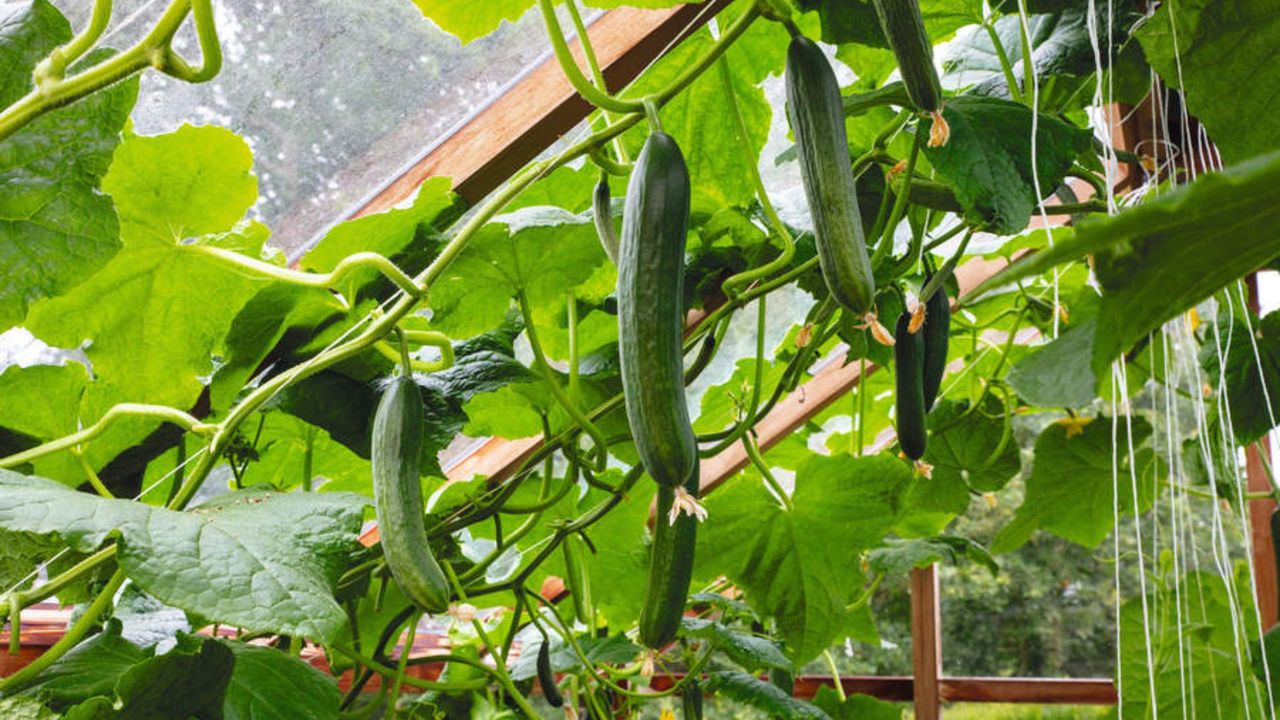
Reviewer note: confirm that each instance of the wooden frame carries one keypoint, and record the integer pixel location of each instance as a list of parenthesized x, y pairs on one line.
[(515, 129)]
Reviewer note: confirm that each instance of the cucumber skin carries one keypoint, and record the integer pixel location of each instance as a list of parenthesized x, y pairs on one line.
[(816, 112), (651, 311), (602, 217), (396, 458), (547, 677), (908, 358), (670, 570), (937, 339), (578, 577), (904, 29)]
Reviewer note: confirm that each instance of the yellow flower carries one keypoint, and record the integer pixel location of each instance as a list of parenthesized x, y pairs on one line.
[(666, 715), (878, 331), (1075, 425)]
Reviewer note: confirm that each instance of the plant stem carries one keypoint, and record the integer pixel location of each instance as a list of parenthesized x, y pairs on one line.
[(753, 454), (1005, 66), (885, 246), (76, 632), (835, 674), (158, 412)]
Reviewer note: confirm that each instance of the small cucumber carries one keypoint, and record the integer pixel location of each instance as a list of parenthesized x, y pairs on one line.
[(651, 311), (908, 358), (602, 215), (547, 677), (937, 338), (691, 700), (396, 454), (670, 570), (816, 112), (578, 577)]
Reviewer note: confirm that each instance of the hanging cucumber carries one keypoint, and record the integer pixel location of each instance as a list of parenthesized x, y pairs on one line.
[(651, 311), (602, 215), (816, 112), (396, 457), (691, 700), (547, 677), (936, 333), (904, 29), (578, 577), (908, 358), (670, 569)]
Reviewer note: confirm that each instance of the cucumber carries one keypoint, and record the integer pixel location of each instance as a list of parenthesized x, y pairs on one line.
[(670, 570), (547, 677), (691, 700), (577, 577), (816, 112), (908, 358), (602, 215), (651, 311), (904, 29), (396, 453), (937, 337)]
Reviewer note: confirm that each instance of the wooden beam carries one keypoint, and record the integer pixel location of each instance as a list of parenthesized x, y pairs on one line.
[(926, 643), (1040, 691), (1260, 512), (537, 111)]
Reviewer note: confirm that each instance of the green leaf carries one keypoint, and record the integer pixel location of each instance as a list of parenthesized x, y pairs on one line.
[(750, 651), (987, 159), (542, 251), (856, 706), (898, 557), (56, 227), (470, 20), (278, 555), (1162, 257), (410, 237), (1251, 380), (766, 697), (89, 669), (260, 326), (978, 451), (269, 684), (800, 566), (1059, 373), (724, 404), (188, 680), (192, 181), (25, 708), (42, 401), (1071, 491), (1222, 53), (856, 22)]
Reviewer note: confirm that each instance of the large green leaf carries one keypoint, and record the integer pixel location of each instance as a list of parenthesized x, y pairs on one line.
[(976, 451), (89, 669), (270, 684), (800, 566), (18, 707), (1224, 56), (470, 20), (856, 706), (750, 651), (1072, 489), (988, 159), (855, 21), (56, 227), (1164, 256), (193, 181), (258, 560), (188, 681)]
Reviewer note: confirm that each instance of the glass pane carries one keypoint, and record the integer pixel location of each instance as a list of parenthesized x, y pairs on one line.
[(334, 100)]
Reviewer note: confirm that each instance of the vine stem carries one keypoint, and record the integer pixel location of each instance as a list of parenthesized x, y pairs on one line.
[(56, 64), (885, 246), (1006, 67), (152, 51), (22, 678), (753, 454), (566, 402), (593, 64), (329, 280), (159, 412)]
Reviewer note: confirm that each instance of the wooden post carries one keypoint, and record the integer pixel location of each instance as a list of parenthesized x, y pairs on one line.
[(926, 643), (1260, 511)]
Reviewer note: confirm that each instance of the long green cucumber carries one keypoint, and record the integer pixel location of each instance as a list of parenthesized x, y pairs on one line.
[(651, 311), (937, 338), (908, 371), (670, 570), (904, 29), (816, 112), (691, 700), (396, 457), (578, 577)]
